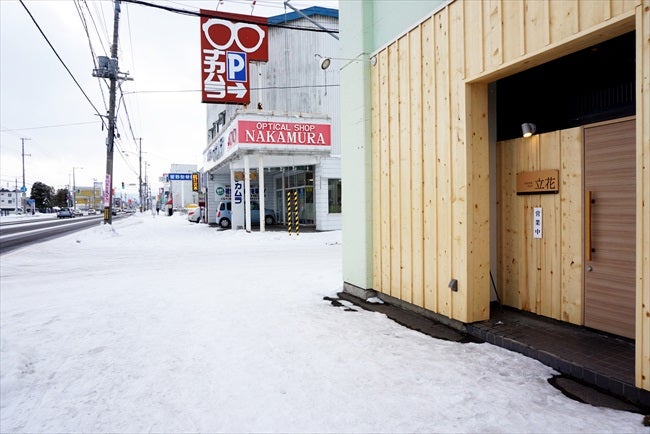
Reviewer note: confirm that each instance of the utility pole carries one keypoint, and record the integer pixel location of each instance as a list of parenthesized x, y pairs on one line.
[(74, 188), (108, 68), (146, 186), (23, 189), (140, 175)]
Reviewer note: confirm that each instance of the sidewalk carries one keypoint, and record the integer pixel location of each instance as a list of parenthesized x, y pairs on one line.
[(594, 368)]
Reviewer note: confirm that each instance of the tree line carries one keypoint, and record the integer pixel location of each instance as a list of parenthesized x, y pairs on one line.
[(46, 197)]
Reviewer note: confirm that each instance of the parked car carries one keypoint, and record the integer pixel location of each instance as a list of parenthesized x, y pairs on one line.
[(224, 214), (194, 214), (78, 212), (92, 212), (65, 213)]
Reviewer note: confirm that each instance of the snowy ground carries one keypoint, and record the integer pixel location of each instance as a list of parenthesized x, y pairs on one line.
[(161, 325)]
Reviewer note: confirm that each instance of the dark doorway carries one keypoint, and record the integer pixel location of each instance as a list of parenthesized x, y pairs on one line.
[(591, 85)]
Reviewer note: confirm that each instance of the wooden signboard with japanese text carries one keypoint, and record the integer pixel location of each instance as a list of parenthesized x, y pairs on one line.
[(538, 182)]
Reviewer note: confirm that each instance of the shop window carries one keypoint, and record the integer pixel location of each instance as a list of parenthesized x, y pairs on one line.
[(334, 195)]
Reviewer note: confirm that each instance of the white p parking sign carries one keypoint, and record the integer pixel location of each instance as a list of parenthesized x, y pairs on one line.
[(236, 66)]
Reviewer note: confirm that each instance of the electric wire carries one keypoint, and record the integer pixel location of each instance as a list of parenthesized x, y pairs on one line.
[(59, 57), (48, 126), (199, 14), (84, 24), (311, 86), (92, 19)]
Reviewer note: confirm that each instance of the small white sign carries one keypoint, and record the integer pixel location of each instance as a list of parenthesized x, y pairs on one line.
[(107, 190), (238, 211), (537, 222)]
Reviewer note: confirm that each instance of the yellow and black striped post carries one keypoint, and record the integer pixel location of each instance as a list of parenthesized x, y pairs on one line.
[(295, 211), (289, 216)]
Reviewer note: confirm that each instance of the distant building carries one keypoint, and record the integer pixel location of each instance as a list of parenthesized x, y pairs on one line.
[(288, 138), (179, 185), (9, 200), (89, 197)]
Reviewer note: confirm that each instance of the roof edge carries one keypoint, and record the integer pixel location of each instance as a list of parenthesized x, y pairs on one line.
[(311, 11)]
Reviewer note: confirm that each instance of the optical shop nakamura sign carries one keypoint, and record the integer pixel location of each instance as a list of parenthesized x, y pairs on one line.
[(283, 133)]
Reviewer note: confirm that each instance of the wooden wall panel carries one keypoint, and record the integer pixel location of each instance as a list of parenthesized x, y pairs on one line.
[(543, 276), (536, 33), (478, 204), (404, 103), (458, 169), (571, 223), (377, 208), (565, 18), (443, 162), (394, 165), (508, 230), (492, 19), (429, 161), (473, 18), (429, 165), (417, 235), (548, 292), (385, 187), (514, 37), (593, 12)]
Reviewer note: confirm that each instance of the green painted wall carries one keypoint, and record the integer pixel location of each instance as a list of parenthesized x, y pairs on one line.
[(356, 42), (392, 18), (365, 26)]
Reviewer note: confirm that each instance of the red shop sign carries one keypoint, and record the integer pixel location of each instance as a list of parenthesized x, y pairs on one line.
[(228, 43), (284, 133)]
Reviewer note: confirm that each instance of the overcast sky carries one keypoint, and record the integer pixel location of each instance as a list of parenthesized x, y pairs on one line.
[(41, 102)]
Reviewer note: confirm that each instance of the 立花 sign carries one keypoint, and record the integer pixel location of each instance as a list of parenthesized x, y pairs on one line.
[(538, 182)]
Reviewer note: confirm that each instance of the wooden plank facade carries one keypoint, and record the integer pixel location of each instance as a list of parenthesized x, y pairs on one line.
[(431, 173)]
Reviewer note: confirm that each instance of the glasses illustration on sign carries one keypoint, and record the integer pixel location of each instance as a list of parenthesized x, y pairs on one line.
[(229, 42), (239, 33)]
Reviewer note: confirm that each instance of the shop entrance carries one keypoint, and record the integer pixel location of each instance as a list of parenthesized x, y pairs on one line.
[(300, 182), (610, 225)]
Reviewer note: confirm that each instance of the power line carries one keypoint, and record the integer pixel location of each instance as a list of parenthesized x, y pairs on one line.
[(47, 126), (199, 14), (99, 37), (310, 86), (84, 23), (59, 57)]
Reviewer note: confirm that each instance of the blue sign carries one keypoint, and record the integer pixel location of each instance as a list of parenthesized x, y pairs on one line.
[(236, 66), (179, 176), (23, 189), (239, 193)]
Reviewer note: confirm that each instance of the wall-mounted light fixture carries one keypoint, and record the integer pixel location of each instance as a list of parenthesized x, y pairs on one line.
[(325, 62), (528, 129)]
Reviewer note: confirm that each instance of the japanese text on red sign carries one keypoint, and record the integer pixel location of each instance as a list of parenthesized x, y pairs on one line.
[(228, 43)]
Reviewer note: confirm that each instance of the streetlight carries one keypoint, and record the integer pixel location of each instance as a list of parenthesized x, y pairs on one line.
[(94, 192), (23, 189), (74, 188)]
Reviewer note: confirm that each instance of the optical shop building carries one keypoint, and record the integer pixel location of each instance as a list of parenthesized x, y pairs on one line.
[(449, 204), (273, 133)]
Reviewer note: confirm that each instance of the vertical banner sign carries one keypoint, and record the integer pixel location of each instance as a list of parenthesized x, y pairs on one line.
[(228, 43), (195, 181), (537, 223), (238, 205), (107, 190)]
